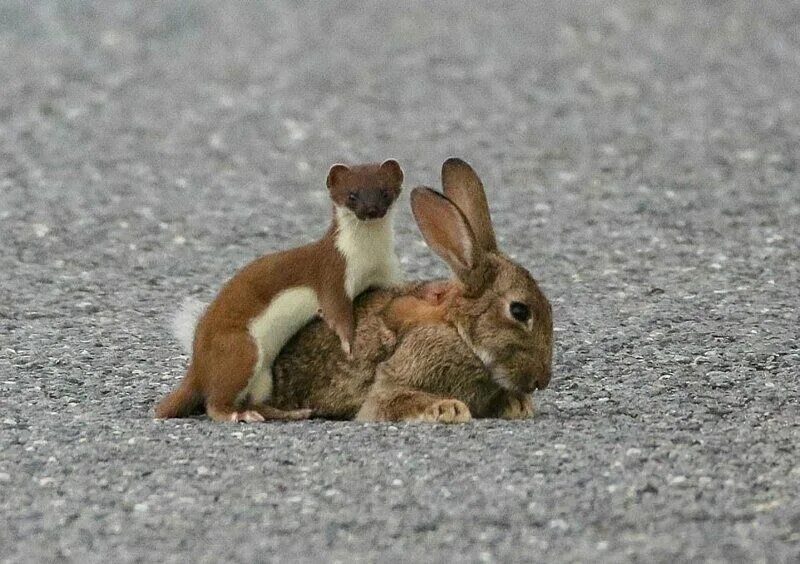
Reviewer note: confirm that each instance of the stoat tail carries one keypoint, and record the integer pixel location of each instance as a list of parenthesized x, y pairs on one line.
[(183, 401), (185, 320)]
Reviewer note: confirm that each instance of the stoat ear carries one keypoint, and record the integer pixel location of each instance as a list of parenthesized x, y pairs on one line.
[(392, 168), (336, 173)]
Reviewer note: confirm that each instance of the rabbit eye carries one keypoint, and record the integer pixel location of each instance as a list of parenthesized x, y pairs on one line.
[(520, 312)]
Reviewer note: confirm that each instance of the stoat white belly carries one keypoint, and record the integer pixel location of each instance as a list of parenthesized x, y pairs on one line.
[(286, 314)]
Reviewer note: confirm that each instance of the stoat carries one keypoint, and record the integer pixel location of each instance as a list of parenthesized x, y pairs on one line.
[(258, 310)]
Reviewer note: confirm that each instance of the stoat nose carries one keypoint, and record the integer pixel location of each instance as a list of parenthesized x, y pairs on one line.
[(375, 212)]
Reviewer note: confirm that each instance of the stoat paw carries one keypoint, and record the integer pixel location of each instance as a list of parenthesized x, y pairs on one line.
[(246, 417)]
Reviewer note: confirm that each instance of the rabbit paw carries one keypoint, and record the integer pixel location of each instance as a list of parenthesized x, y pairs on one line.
[(447, 411), (518, 406)]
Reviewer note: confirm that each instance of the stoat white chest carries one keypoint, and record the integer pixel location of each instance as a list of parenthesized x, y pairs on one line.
[(368, 249)]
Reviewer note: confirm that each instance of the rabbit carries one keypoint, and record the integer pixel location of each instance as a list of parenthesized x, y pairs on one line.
[(439, 351)]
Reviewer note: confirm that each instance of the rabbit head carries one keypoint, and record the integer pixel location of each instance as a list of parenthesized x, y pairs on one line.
[(498, 309)]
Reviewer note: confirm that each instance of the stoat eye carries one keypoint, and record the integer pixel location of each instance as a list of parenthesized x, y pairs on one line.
[(520, 311), (352, 197)]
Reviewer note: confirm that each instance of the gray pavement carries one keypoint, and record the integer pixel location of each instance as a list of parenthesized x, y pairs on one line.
[(641, 159)]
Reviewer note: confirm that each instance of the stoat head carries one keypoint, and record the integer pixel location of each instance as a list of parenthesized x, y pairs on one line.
[(367, 190)]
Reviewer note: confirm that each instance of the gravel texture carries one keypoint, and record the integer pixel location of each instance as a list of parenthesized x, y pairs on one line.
[(641, 159)]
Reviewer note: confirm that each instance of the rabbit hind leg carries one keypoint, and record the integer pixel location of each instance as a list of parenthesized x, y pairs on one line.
[(270, 413), (412, 405)]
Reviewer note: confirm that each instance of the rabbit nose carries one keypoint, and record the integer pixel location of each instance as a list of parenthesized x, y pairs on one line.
[(543, 379)]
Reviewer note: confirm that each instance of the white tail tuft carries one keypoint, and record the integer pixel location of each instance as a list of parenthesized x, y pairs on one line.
[(185, 320)]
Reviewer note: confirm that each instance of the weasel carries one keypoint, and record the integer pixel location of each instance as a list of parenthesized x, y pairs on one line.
[(258, 310)]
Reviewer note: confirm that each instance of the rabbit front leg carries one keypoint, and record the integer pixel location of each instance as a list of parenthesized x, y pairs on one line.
[(399, 404), (514, 405)]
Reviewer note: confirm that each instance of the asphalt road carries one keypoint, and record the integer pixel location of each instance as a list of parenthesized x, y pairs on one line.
[(641, 159)]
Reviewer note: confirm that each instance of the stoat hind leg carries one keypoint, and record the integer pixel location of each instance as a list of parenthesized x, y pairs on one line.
[(230, 362)]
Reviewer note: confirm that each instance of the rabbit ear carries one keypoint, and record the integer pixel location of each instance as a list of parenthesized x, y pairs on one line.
[(446, 231), (463, 187)]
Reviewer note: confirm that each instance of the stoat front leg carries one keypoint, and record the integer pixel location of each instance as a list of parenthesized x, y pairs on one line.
[(337, 311)]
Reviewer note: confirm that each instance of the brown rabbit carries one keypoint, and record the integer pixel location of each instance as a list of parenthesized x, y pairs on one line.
[(437, 351)]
